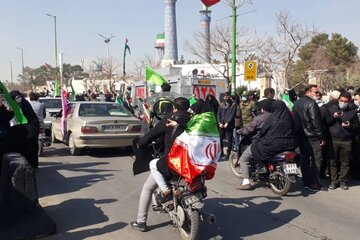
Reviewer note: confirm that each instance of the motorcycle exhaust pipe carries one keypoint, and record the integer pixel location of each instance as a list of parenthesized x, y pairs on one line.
[(207, 217)]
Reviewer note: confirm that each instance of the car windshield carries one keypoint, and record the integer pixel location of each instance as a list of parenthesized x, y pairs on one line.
[(101, 110), (51, 103)]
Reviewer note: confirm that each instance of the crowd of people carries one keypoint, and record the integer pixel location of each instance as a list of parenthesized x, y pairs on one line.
[(324, 127)]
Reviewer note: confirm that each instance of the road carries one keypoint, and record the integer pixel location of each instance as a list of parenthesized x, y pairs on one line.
[(95, 196)]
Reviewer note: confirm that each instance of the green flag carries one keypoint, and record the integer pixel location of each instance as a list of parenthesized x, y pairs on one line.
[(127, 48), (72, 94), (154, 77), (19, 116), (285, 97), (119, 100), (57, 89), (192, 101)]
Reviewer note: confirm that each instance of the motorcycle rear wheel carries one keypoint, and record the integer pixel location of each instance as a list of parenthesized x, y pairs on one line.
[(190, 229), (234, 164), (281, 184)]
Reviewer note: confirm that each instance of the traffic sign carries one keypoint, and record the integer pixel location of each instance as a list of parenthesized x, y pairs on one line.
[(250, 71)]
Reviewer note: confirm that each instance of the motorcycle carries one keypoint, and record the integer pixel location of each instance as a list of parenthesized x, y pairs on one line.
[(43, 140), (185, 207), (278, 172)]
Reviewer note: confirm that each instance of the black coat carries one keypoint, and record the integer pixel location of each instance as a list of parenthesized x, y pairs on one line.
[(339, 132), (5, 117), (226, 113), (308, 119), (166, 132), (327, 119), (276, 135)]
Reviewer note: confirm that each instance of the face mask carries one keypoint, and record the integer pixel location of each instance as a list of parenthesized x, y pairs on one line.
[(244, 98), (315, 98), (343, 105), (357, 103), (18, 100), (318, 101)]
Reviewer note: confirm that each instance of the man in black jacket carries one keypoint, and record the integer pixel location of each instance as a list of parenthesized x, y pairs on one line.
[(169, 133), (343, 132), (226, 120), (310, 135)]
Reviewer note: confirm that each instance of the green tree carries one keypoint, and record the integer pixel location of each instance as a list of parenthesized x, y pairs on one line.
[(39, 76), (332, 58)]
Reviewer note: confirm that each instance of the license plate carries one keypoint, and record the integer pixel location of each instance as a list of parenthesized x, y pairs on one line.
[(193, 198), (290, 168), (114, 127)]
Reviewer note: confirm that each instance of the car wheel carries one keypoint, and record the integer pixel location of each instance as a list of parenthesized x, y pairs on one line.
[(72, 147), (53, 138)]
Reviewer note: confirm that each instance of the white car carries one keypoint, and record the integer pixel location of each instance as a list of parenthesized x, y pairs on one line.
[(95, 125), (52, 105)]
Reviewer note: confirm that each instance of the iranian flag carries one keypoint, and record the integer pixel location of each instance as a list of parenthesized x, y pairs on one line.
[(197, 149)]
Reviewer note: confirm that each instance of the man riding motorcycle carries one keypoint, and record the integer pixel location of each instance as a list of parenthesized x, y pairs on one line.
[(160, 171)]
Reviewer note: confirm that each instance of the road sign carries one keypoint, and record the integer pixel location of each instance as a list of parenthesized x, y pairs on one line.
[(250, 71)]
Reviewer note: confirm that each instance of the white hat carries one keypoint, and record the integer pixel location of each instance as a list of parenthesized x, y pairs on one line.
[(335, 94)]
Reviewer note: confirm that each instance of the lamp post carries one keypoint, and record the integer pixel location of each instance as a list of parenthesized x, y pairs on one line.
[(56, 55), (22, 59), (107, 41), (11, 72)]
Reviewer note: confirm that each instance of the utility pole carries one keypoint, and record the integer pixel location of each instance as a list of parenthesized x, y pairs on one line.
[(107, 41), (56, 54), (22, 60), (11, 72), (233, 47)]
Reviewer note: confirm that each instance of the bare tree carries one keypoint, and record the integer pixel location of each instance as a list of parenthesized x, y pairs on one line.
[(108, 70), (139, 66), (220, 43), (278, 53)]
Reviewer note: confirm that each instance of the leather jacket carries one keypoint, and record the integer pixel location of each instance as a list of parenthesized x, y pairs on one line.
[(308, 119)]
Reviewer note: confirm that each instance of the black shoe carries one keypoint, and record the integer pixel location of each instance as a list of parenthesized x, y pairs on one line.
[(333, 185), (315, 187), (343, 186), (138, 226)]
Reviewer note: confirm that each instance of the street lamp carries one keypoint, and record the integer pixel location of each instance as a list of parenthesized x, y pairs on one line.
[(107, 41), (11, 72), (56, 56), (22, 59)]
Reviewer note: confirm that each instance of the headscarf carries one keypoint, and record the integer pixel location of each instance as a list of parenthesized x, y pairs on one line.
[(25, 106)]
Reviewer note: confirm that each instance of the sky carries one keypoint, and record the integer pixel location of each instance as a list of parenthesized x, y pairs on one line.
[(24, 24)]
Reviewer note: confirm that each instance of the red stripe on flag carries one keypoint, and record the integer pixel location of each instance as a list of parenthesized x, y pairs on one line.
[(180, 161)]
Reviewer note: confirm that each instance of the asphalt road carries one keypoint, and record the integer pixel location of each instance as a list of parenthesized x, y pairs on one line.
[(95, 196)]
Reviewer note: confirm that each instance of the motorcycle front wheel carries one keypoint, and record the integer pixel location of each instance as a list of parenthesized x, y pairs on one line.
[(234, 164), (190, 228), (279, 183)]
